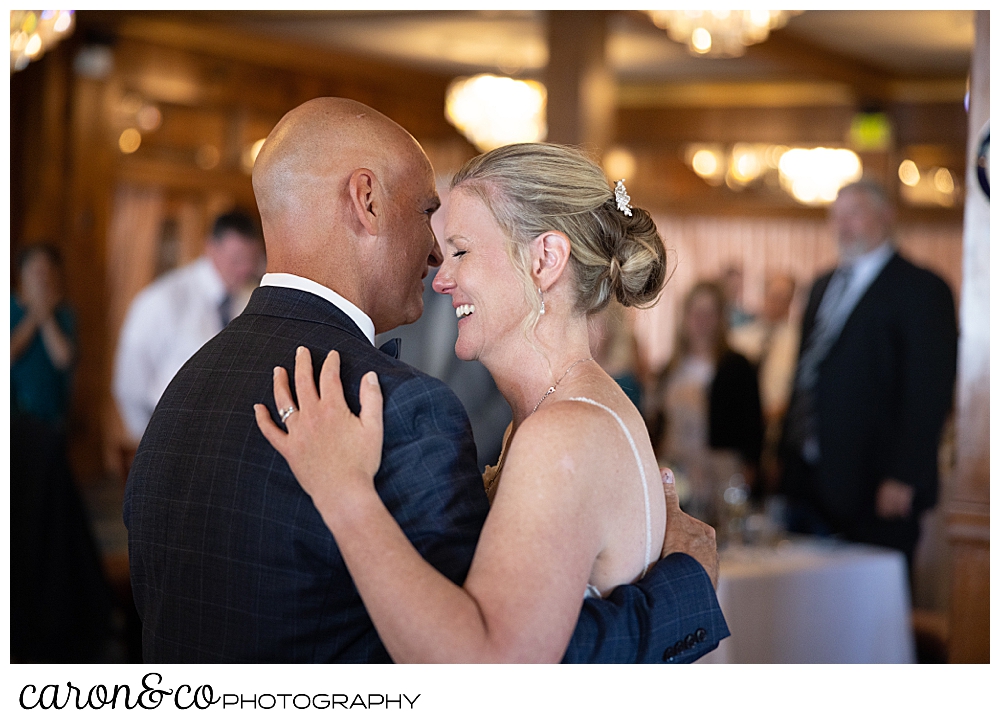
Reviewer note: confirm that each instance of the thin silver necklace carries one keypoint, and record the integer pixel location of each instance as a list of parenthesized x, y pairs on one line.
[(503, 453), (553, 388)]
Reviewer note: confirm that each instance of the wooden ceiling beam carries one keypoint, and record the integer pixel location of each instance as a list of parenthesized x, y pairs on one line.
[(224, 40), (806, 59)]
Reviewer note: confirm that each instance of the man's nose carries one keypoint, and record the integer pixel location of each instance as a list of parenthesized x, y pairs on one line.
[(436, 256)]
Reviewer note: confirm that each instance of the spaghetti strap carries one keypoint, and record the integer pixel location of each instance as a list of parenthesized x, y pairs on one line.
[(642, 473)]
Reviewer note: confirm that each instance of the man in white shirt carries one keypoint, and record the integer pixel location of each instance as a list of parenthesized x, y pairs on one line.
[(173, 317)]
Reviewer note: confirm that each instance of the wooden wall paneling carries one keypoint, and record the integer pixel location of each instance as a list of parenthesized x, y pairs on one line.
[(943, 123), (186, 129), (682, 124), (969, 508), (413, 98), (89, 183), (39, 102)]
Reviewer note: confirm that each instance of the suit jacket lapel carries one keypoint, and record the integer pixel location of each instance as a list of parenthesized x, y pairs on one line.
[(866, 300)]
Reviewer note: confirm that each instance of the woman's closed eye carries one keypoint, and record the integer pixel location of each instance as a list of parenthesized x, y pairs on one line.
[(459, 252)]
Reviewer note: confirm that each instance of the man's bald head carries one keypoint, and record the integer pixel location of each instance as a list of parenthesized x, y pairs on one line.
[(313, 149), (345, 198)]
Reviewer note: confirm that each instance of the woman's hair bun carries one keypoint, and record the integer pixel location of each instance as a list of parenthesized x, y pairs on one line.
[(636, 263)]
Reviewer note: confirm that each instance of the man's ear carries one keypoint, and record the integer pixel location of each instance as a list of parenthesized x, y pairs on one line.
[(362, 191), (550, 252)]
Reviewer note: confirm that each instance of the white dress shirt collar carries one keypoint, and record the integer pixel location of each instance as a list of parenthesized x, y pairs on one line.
[(293, 281)]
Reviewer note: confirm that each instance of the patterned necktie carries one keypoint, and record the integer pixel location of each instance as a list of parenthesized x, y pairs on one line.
[(825, 330), (802, 424), (225, 310)]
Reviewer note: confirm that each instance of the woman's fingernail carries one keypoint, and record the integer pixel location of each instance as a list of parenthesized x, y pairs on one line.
[(668, 478), (372, 378), (275, 372)]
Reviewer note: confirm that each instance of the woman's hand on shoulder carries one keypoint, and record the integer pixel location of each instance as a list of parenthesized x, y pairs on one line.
[(333, 453)]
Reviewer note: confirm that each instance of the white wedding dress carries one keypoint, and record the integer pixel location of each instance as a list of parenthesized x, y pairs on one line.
[(492, 472)]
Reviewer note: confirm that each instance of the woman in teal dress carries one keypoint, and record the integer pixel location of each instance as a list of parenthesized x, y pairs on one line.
[(61, 603)]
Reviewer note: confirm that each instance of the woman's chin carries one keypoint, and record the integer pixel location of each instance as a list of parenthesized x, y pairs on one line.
[(464, 351)]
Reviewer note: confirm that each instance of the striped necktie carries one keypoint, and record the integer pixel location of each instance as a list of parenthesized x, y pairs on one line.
[(801, 424), (225, 310)]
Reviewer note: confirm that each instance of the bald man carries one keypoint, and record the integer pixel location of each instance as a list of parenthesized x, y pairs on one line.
[(230, 560)]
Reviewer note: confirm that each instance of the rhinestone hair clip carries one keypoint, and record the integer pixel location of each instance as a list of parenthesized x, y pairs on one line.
[(622, 198)]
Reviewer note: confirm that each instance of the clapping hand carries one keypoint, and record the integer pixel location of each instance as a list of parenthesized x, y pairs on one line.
[(333, 453), (685, 534)]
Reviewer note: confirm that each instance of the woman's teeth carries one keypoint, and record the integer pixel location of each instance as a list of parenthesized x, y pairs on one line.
[(464, 310)]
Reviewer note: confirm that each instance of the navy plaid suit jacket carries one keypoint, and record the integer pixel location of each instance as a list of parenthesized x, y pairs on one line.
[(231, 562)]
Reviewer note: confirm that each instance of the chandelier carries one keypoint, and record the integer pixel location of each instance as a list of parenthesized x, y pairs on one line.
[(813, 176), (719, 33), (493, 111), (32, 32)]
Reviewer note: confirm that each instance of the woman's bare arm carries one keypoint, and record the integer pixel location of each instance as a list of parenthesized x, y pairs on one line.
[(523, 593)]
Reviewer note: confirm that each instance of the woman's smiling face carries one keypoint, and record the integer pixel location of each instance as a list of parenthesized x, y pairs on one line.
[(487, 292)]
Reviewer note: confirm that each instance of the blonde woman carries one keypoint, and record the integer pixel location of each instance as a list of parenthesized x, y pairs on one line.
[(535, 241)]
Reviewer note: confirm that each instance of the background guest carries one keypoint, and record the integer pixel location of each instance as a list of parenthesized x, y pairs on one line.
[(873, 385), (771, 343), (705, 414), (60, 602), (173, 317), (42, 338)]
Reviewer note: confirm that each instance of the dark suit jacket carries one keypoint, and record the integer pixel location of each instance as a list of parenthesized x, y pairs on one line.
[(230, 560), (883, 394)]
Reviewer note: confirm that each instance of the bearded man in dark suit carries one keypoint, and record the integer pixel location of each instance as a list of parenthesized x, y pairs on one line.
[(873, 385), (230, 561)]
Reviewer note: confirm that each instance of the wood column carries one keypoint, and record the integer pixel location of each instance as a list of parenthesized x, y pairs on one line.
[(581, 88), (968, 510)]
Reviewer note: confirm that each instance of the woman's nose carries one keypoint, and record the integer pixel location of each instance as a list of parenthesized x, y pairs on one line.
[(443, 283)]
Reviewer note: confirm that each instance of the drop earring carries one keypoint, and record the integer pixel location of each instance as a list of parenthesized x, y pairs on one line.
[(542, 297)]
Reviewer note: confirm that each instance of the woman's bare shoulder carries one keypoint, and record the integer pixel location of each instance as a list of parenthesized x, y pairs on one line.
[(565, 434)]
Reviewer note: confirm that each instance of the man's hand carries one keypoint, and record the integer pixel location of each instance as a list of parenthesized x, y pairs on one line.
[(894, 499), (685, 534)]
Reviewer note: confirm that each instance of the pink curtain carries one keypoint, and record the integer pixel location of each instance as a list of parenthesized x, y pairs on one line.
[(136, 223)]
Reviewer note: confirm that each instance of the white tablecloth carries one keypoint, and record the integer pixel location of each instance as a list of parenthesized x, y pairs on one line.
[(814, 601)]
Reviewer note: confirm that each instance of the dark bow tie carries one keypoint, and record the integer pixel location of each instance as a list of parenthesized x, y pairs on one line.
[(392, 347)]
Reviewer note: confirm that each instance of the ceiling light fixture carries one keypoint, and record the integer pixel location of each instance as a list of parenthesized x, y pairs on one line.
[(493, 111), (719, 33), (32, 32), (813, 176)]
